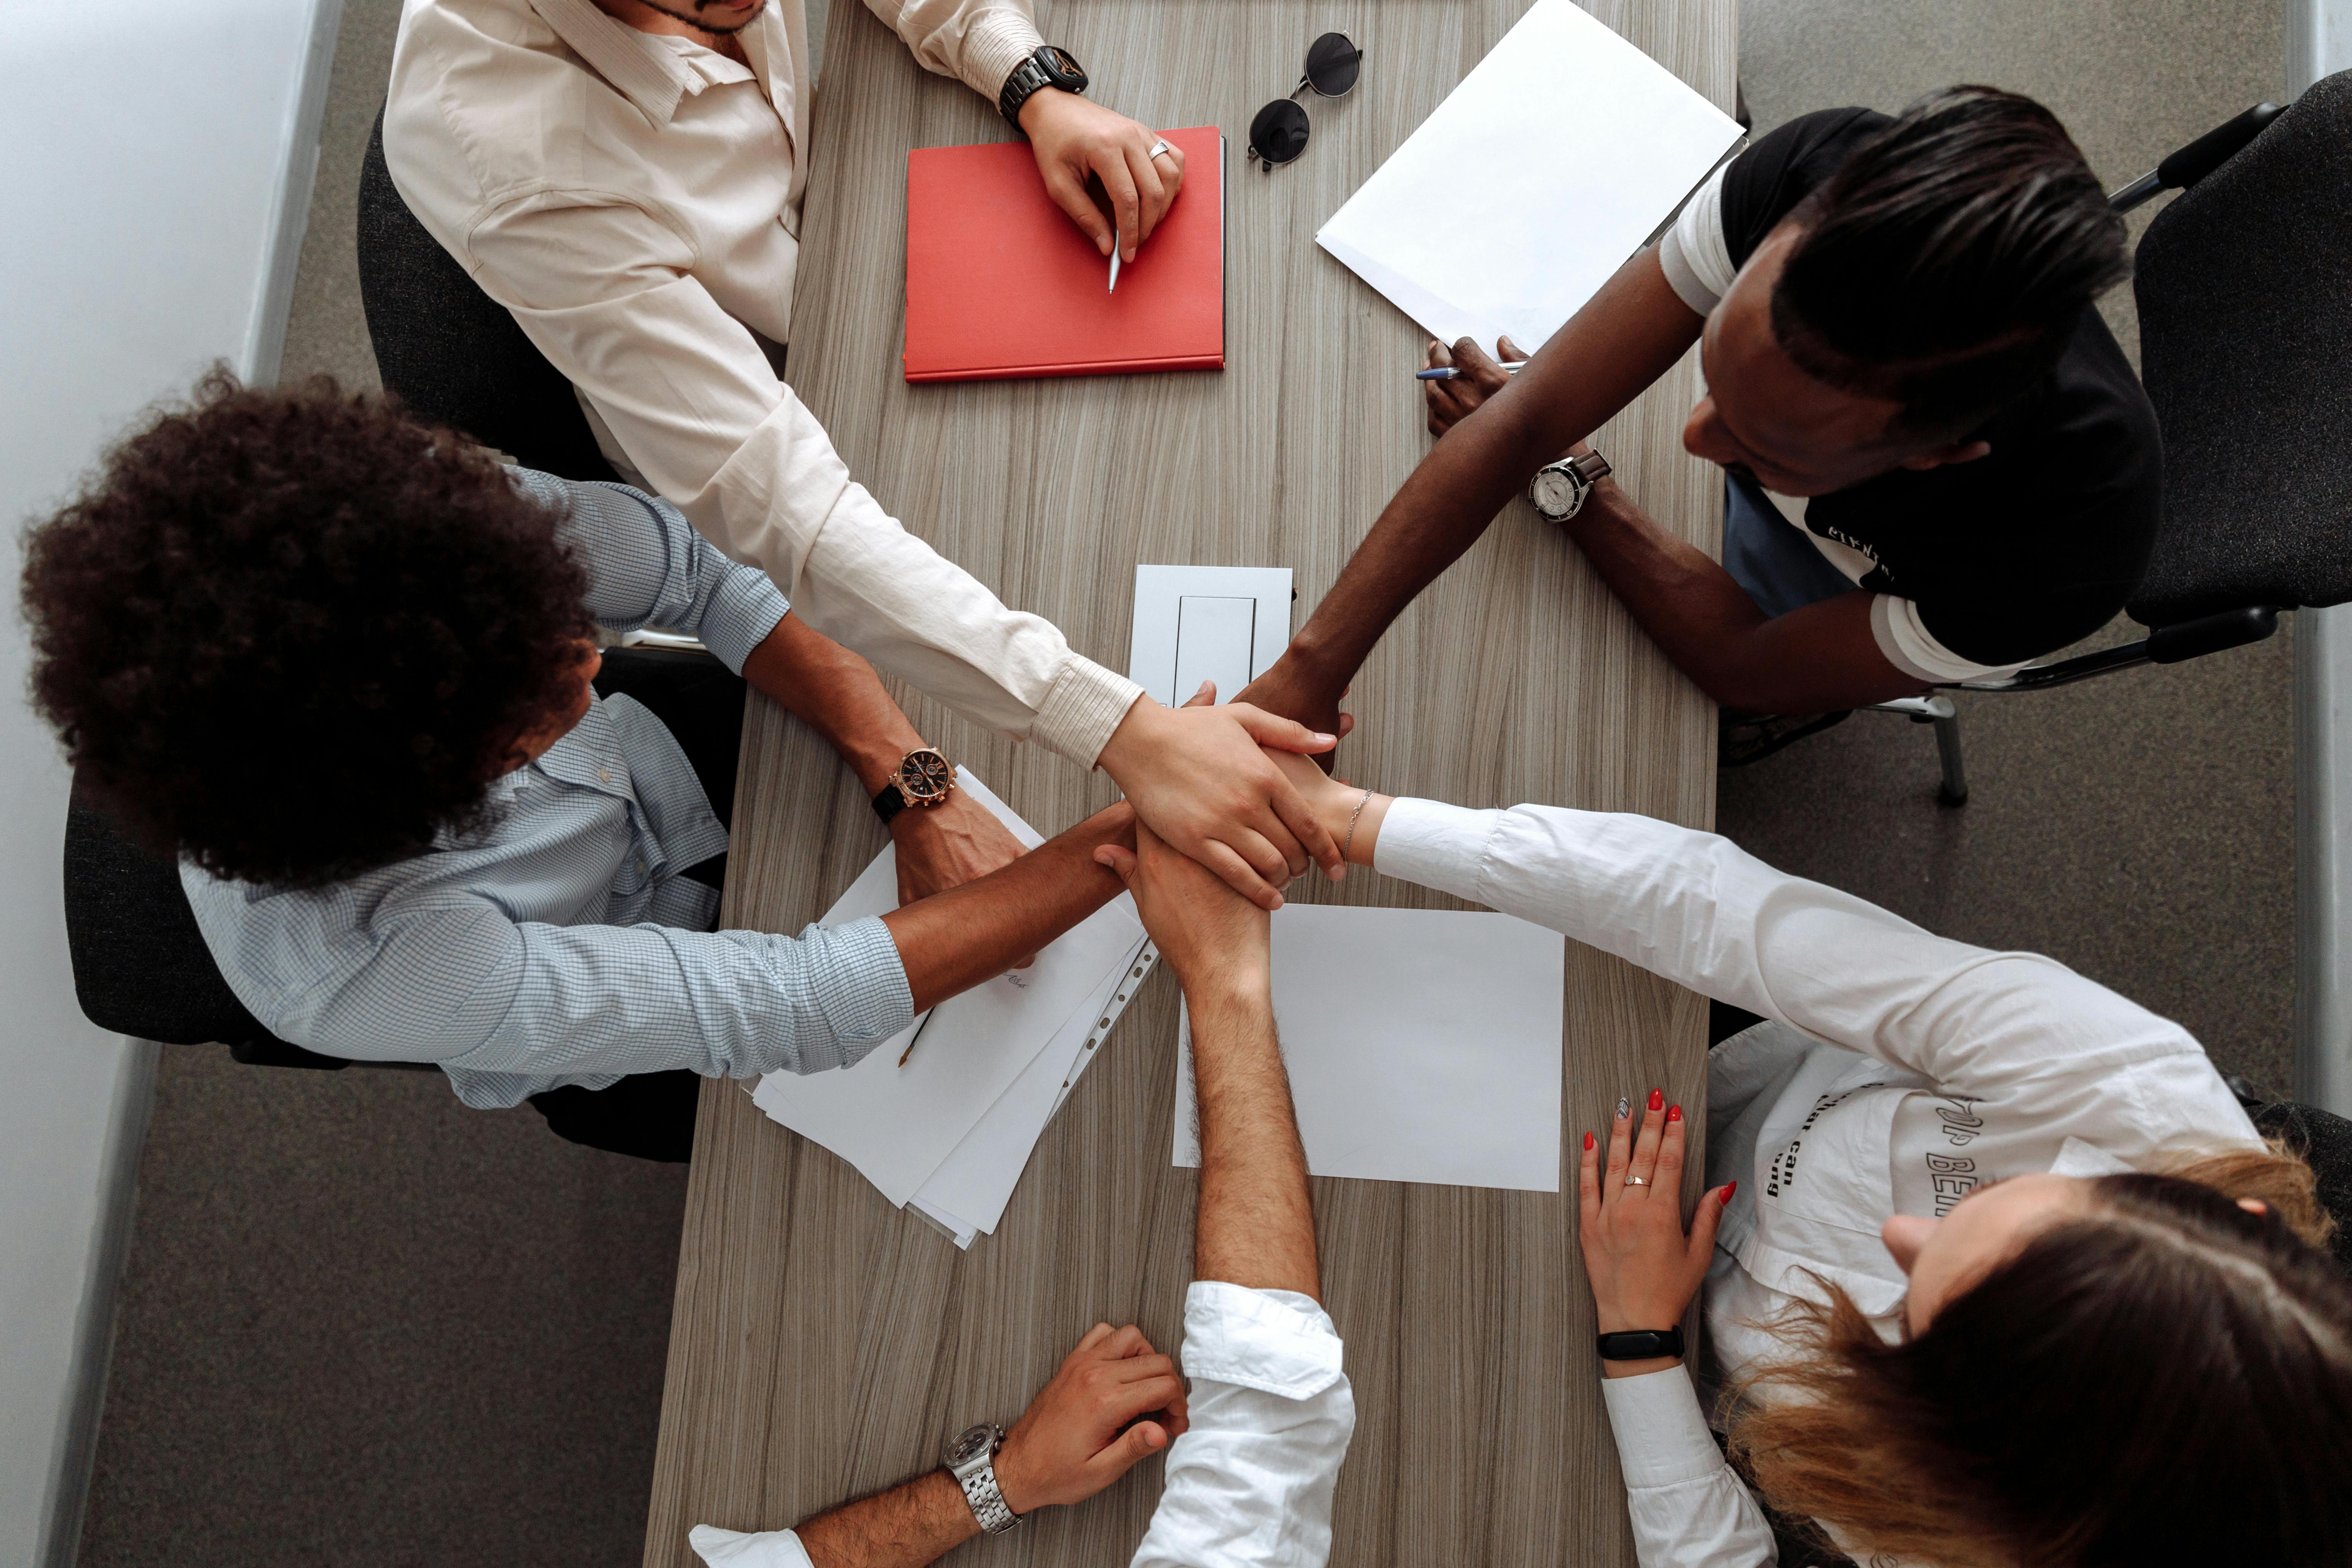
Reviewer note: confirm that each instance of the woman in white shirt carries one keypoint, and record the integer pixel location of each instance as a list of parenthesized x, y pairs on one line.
[(1995, 1269)]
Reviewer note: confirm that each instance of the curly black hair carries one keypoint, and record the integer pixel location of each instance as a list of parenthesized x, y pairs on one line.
[(291, 633)]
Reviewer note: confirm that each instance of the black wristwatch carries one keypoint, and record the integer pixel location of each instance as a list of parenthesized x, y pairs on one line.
[(1049, 67), (1640, 1345), (925, 777)]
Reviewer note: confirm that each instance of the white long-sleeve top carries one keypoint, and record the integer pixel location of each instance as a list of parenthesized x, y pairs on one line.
[(1249, 1483), (1896, 1071), (634, 200)]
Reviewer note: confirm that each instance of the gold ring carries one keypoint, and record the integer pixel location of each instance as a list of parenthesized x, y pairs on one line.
[(1635, 1182)]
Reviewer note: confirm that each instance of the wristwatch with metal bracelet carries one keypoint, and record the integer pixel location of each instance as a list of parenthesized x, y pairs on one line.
[(925, 778), (1049, 67), (971, 1461), (1559, 489)]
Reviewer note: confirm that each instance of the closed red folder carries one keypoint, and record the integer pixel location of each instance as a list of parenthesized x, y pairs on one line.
[(1001, 284)]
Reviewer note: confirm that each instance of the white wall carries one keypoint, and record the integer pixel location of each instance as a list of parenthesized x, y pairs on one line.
[(151, 185)]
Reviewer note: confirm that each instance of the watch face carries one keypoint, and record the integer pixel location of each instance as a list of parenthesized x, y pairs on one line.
[(975, 1441), (925, 777), (1063, 68), (1554, 492)]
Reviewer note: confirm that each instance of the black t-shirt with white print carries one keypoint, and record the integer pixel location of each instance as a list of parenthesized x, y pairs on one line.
[(2029, 548)]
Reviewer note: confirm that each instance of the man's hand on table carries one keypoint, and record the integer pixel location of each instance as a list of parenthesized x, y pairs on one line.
[(1073, 138), (945, 846), (1198, 778), (1482, 375), (1115, 1400)]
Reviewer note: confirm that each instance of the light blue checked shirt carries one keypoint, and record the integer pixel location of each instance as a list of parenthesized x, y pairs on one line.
[(561, 944)]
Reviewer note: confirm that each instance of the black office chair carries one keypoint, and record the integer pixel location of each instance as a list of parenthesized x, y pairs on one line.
[(140, 966), (452, 354), (2244, 287)]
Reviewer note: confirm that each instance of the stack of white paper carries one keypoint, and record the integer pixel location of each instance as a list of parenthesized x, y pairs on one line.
[(1557, 157), (1422, 1045), (950, 1132)]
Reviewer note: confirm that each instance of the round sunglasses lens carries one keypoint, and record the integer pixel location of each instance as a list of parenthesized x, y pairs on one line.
[(1278, 134), (1332, 63)]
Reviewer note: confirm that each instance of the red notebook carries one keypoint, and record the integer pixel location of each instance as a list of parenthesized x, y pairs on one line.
[(1001, 284)]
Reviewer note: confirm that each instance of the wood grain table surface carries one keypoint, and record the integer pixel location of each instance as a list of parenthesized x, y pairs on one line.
[(823, 1344)]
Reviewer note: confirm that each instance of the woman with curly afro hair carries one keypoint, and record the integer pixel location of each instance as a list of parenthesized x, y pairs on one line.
[(338, 663)]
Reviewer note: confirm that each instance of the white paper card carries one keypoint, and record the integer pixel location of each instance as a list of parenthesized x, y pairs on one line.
[(896, 1124), (1422, 1045), (1226, 624), (1562, 151)]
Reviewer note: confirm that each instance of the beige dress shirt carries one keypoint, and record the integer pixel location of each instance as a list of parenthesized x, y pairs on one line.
[(634, 200)]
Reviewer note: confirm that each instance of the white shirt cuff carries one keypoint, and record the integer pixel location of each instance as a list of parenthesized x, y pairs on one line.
[(1904, 638), (1436, 844), (735, 1548), (1693, 251), (1276, 1342), (1661, 1435), (1082, 709)]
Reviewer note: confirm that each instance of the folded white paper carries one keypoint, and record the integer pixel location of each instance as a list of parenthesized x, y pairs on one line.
[(970, 1190), (1422, 1045), (896, 1125), (1559, 154)]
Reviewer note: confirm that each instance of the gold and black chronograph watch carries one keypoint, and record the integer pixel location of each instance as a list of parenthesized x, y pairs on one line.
[(925, 778)]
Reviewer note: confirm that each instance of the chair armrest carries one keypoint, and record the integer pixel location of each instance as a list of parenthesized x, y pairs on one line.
[(2199, 159), (2211, 633)]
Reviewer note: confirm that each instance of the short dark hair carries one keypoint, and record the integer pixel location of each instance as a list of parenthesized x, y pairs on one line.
[(1945, 264), (289, 634)]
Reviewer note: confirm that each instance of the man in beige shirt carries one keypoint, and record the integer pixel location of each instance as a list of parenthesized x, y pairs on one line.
[(625, 177)]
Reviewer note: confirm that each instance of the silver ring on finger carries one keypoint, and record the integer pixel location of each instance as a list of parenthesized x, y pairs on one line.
[(1162, 145), (1635, 1182)]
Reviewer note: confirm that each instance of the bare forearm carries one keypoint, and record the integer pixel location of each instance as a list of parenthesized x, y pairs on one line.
[(1815, 658), (951, 942), (835, 693), (913, 1524), (1256, 1224), (1623, 340)]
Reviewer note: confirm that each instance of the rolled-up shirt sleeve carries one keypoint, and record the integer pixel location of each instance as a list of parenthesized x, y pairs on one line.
[(976, 41), (509, 1009), (1688, 1508), (1249, 1485), (603, 288), (650, 568)]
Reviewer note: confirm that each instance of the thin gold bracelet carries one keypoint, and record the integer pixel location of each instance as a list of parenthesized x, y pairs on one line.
[(1350, 842)]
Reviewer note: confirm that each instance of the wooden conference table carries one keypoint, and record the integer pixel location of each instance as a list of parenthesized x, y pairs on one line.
[(824, 1343)]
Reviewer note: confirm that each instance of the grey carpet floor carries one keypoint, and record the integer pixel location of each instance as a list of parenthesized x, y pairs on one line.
[(363, 1327)]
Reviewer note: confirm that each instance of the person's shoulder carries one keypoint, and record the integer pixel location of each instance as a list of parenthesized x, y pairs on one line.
[(486, 102), (1785, 165)]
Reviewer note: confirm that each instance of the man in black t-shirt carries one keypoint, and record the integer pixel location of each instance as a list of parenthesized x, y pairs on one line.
[(1939, 463)]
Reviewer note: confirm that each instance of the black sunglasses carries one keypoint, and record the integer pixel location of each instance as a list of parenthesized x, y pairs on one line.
[(1278, 134)]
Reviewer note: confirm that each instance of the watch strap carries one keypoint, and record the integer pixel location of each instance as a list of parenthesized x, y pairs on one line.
[(889, 802), (1640, 1345), (1036, 71), (980, 1489)]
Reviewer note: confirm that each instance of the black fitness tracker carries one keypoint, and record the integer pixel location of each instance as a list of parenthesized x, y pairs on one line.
[(1049, 67), (1640, 1345)]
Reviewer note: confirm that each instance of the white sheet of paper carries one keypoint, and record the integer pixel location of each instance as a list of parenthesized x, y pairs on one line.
[(976, 1181), (1424, 1046), (1560, 153), (896, 1124), (1226, 624), (1138, 970)]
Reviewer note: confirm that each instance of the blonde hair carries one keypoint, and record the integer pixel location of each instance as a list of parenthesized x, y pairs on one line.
[(2167, 1378)]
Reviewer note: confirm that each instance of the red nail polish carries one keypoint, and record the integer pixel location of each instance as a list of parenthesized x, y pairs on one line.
[(1729, 1188), (1657, 1098), (1588, 1143), (1673, 1113)]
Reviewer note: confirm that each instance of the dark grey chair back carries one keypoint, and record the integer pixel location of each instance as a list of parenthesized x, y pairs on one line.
[(2244, 285)]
